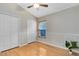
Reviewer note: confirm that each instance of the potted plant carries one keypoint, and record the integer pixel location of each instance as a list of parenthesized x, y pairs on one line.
[(68, 46)]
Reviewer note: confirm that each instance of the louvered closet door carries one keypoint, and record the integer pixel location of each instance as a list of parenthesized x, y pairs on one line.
[(8, 32)]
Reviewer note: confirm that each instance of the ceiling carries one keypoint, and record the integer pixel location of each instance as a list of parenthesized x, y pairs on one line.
[(52, 8)]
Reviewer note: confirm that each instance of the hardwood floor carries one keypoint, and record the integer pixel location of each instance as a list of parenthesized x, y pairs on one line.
[(35, 49)]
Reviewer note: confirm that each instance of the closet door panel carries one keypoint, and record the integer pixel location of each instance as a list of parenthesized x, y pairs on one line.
[(8, 32), (14, 32)]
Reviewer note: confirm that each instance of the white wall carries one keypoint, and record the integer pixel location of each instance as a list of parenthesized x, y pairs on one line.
[(62, 26)]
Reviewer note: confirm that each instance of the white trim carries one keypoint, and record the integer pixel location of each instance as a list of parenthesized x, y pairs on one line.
[(27, 43), (52, 33), (75, 50), (52, 45), (23, 44)]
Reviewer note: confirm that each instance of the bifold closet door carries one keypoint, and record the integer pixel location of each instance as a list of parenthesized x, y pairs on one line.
[(8, 32)]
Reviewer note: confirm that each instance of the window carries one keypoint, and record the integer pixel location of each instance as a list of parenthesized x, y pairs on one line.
[(42, 29)]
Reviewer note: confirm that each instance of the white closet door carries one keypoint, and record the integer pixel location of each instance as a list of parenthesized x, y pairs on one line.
[(8, 32)]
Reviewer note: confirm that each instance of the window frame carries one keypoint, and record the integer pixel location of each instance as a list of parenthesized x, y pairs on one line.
[(38, 29)]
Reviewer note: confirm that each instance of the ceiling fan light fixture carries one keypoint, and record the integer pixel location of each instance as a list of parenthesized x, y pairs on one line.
[(36, 5)]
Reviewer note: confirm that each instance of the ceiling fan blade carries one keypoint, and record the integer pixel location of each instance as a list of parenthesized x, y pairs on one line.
[(30, 6), (44, 5)]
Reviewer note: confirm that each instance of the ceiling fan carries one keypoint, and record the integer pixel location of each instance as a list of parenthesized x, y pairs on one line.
[(37, 5)]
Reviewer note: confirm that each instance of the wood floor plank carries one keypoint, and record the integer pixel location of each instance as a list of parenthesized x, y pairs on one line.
[(35, 49)]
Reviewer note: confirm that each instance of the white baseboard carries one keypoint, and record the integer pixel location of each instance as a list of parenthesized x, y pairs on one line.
[(23, 44), (52, 44), (44, 43), (26, 43)]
